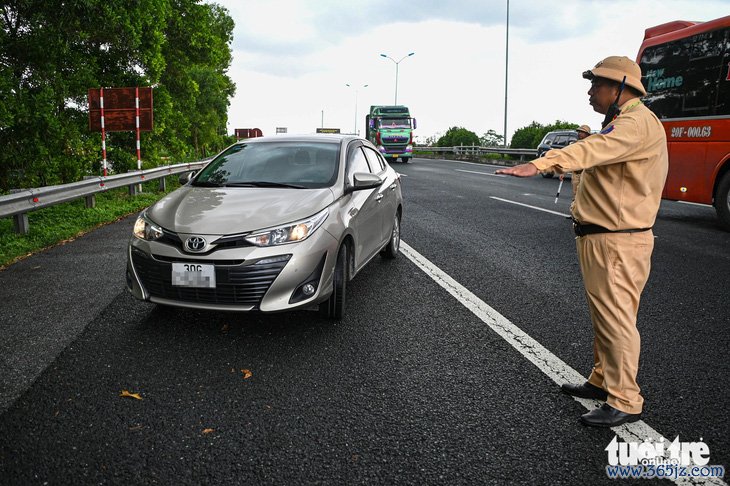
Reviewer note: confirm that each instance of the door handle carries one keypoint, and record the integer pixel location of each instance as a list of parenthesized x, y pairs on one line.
[(379, 197), (393, 186)]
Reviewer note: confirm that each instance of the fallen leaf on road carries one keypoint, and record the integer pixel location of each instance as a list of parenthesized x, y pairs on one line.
[(246, 374), (125, 393), (225, 328), (208, 431)]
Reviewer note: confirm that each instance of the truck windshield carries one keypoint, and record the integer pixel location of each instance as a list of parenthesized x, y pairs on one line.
[(395, 123)]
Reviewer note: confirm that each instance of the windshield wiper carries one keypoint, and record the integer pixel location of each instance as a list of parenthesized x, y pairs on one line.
[(263, 184), (206, 184)]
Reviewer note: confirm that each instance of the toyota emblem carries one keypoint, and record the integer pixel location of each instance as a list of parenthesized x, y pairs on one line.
[(195, 244)]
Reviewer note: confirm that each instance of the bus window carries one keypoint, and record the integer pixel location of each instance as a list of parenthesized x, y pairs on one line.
[(682, 77)]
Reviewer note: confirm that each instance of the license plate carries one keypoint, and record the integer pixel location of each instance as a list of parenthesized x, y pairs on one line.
[(395, 156), (197, 275)]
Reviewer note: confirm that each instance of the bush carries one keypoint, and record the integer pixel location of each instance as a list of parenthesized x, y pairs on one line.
[(456, 136)]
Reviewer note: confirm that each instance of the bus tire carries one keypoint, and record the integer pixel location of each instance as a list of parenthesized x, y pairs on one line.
[(722, 201)]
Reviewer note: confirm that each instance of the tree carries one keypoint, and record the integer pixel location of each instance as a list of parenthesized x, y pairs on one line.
[(198, 54), (51, 56), (531, 135), (456, 136), (491, 139), (525, 137)]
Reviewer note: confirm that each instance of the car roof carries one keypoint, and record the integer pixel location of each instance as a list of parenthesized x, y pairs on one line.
[(561, 132)]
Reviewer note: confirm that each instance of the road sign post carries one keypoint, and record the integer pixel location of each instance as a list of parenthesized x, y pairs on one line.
[(120, 110)]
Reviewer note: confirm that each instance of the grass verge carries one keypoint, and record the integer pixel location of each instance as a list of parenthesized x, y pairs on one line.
[(64, 222)]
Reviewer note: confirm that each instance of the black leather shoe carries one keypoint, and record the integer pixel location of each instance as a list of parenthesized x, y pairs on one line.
[(607, 416), (586, 390)]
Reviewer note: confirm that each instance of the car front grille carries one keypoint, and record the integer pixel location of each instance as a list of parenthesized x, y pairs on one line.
[(229, 241), (241, 284)]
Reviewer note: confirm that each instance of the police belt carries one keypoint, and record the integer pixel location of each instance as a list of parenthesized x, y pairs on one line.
[(593, 229)]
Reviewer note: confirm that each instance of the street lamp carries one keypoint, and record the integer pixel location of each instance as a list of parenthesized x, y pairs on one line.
[(506, 71), (356, 88), (396, 72)]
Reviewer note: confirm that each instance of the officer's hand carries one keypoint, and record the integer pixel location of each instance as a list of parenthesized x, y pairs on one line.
[(522, 170)]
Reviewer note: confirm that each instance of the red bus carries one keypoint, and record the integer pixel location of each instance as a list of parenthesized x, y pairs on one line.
[(686, 73)]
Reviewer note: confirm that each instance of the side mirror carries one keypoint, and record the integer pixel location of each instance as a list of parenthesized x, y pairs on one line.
[(372, 123), (548, 142), (185, 177), (414, 123), (365, 180)]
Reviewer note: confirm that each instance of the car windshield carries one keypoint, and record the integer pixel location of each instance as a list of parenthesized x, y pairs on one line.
[(395, 123), (302, 165)]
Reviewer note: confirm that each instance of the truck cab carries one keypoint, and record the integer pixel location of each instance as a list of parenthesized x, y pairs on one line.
[(390, 128)]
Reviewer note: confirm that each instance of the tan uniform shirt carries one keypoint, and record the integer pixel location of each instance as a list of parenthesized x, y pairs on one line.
[(575, 183), (624, 170)]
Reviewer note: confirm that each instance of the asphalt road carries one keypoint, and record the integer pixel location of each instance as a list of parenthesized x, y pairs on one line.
[(410, 388)]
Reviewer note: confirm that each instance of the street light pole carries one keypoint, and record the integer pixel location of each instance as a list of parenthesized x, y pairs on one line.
[(349, 86), (506, 66), (396, 72)]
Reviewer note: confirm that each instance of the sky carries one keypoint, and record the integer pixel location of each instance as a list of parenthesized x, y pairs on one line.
[(293, 59)]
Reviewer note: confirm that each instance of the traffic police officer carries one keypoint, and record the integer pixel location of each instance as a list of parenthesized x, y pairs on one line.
[(624, 170)]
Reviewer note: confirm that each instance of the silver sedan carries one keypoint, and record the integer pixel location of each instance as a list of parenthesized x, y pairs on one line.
[(271, 224)]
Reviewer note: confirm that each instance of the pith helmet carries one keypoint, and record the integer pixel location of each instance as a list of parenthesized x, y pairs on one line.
[(584, 129), (615, 68)]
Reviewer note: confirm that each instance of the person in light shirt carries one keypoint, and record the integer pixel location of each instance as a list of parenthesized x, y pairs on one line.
[(624, 168)]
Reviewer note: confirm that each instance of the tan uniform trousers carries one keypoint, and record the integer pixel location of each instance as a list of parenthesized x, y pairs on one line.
[(615, 268)]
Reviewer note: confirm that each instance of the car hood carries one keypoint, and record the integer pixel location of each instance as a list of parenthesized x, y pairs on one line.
[(224, 211)]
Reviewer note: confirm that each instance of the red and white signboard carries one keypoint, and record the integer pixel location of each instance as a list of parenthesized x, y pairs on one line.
[(120, 110)]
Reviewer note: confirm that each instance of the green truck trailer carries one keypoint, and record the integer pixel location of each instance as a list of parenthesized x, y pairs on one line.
[(390, 128)]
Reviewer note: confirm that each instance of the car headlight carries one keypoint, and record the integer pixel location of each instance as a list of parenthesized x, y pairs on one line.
[(288, 233), (145, 229)]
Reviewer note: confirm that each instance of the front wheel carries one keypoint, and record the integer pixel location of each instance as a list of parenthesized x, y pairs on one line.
[(391, 249), (334, 307), (405, 160), (722, 201)]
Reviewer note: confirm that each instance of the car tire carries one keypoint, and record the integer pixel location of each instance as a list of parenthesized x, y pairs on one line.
[(390, 250), (722, 201), (405, 160), (334, 307)]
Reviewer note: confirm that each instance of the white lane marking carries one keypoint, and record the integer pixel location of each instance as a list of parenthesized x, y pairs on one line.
[(402, 175), (555, 368), (531, 207), (480, 173)]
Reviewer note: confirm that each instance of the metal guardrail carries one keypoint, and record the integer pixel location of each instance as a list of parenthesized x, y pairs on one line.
[(21, 202), (476, 150)]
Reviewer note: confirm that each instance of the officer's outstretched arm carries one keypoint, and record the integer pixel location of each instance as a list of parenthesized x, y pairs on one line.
[(522, 170)]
